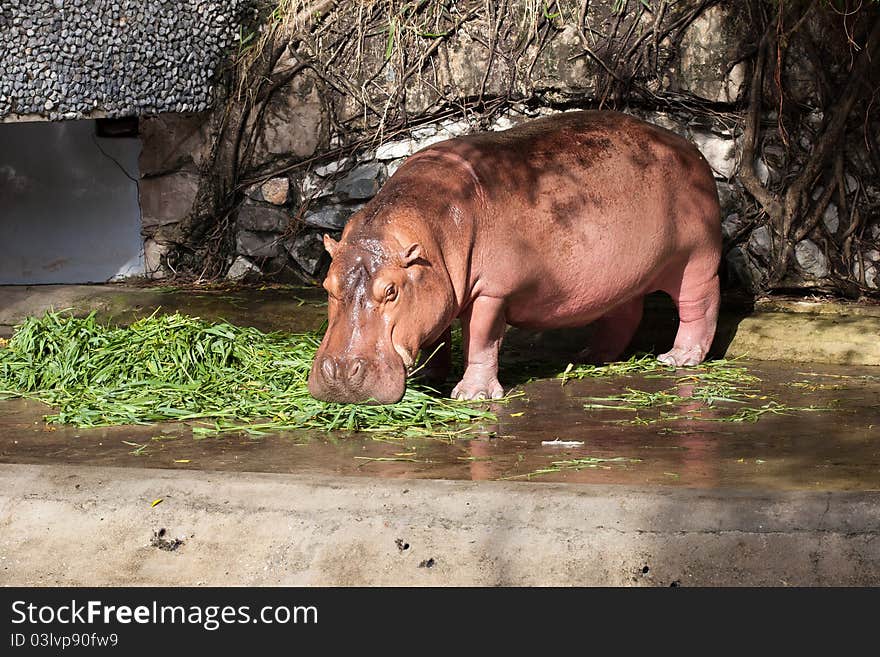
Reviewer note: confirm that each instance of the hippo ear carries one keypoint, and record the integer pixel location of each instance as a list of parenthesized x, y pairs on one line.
[(411, 253), (330, 244)]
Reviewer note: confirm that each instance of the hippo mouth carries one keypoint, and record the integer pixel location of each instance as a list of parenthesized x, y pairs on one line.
[(361, 379)]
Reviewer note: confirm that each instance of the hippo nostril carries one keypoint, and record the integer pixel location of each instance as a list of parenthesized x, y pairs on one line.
[(328, 369), (357, 369)]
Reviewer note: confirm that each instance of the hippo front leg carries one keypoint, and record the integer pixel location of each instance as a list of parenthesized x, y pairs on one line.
[(482, 328)]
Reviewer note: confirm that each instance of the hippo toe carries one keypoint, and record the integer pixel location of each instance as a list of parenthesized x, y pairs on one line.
[(490, 389)]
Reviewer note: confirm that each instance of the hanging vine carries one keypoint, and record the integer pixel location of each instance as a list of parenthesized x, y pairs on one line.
[(793, 209)]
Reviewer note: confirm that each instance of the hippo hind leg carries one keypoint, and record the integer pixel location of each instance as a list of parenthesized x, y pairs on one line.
[(697, 300), (613, 332)]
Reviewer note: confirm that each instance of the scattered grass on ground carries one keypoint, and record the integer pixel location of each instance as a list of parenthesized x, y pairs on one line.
[(220, 378), (637, 364), (584, 462), (713, 385)]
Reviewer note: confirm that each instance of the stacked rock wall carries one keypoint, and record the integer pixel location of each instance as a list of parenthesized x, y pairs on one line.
[(325, 197)]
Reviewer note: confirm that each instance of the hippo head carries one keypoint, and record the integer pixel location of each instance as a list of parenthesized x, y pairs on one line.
[(388, 296)]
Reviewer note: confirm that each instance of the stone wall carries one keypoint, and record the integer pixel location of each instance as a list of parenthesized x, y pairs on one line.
[(68, 59), (281, 217), (173, 148)]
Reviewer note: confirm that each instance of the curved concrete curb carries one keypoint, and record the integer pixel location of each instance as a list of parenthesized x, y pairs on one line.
[(826, 337), (93, 525)]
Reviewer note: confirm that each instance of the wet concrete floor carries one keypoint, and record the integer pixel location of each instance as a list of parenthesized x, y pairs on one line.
[(702, 501), (833, 449)]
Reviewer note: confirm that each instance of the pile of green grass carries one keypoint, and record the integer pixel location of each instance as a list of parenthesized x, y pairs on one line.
[(175, 367)]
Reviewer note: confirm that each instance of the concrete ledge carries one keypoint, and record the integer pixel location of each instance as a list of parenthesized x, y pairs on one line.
[(847, 308), (66, 525), (822, 337)]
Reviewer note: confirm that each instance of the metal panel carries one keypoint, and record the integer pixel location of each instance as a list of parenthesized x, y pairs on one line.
[(69, 213)]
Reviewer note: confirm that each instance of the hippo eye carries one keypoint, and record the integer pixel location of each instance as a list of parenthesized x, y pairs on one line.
[(390, 292)]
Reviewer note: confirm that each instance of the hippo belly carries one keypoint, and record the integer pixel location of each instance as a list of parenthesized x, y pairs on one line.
[(591, 238), (604, 280), (574, 276)]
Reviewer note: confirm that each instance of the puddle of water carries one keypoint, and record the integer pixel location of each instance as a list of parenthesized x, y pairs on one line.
[(830, 450)]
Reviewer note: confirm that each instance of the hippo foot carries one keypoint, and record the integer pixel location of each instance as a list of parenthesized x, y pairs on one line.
[(683, 356), (490, 389)]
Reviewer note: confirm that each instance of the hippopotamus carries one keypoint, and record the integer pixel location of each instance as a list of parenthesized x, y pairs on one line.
[(558, 222)]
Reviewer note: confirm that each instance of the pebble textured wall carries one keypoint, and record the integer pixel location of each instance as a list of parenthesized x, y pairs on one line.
[(64, 59)]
